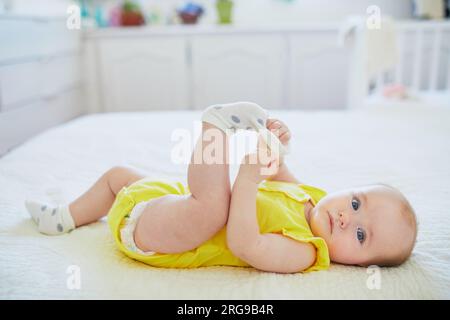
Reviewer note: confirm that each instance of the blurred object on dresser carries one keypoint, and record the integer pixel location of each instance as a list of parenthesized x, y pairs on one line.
[(224, 11), (190, 13), (131, 14), (429, 9)]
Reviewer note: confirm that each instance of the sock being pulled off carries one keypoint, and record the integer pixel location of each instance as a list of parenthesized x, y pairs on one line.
[(245, 116)]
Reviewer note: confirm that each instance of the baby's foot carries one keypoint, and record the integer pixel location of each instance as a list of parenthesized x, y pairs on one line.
[(50, 220), (246, 116), (238, 115)]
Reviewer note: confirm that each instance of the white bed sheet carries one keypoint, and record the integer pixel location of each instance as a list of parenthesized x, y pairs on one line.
[(407, 147)]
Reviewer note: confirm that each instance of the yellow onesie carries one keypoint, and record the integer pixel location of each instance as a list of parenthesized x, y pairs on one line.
[(280, 209)]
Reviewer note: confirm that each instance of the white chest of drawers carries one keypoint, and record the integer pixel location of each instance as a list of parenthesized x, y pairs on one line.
[(40, 78)]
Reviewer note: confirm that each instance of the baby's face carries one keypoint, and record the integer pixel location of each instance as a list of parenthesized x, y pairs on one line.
[(360, 225)]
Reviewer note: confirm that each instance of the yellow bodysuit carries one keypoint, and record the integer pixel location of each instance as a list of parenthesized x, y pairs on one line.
[(280, 209)]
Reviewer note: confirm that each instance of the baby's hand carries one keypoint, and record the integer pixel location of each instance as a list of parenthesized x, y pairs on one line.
[(260, 165), (280, 130)]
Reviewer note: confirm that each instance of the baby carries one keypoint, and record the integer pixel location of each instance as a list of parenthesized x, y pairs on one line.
[(268, 219)]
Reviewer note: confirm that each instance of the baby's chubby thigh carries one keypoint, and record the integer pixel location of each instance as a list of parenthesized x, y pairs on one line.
[(177, 223)]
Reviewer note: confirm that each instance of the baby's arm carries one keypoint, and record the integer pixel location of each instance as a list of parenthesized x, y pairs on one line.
[(284, 174), (282, 132), (268, 252)]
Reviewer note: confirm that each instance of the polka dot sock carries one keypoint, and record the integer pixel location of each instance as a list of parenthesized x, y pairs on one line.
[(245, 116), (50, 220), (238, 115)]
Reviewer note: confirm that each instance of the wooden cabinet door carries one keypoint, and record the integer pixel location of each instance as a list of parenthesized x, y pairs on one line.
[(141, 74)]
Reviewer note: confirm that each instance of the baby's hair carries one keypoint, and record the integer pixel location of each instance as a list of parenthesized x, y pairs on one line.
[(410, 215)]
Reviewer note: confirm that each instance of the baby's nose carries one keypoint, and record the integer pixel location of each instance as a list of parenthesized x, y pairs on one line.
[(343, 219)]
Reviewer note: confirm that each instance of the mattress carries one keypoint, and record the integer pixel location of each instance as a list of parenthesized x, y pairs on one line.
[(405, 146)]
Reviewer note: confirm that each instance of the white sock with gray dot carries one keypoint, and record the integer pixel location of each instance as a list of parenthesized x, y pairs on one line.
[(50, 220), (238, 115), (245, 116)]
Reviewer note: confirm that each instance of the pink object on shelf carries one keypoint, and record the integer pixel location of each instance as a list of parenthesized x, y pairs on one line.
[(115, 17), (398, 91)]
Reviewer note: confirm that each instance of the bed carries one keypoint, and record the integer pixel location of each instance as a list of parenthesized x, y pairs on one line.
[(406, 146)]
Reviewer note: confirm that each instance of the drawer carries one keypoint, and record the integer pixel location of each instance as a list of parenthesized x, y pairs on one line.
[(42, 78), (59, 74), (35, 37), (19, 38), (63, 106), (19, 84), (55, 37), (20, 124)]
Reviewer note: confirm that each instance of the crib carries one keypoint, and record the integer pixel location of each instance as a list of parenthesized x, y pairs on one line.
[(421, 74)]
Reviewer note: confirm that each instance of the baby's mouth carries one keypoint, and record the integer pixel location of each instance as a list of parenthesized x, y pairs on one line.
[(331, 222)]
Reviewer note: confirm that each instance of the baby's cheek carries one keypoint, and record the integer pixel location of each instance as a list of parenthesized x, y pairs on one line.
[(341, 250)]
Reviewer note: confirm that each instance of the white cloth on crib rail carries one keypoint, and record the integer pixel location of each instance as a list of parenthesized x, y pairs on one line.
[(377, 43)]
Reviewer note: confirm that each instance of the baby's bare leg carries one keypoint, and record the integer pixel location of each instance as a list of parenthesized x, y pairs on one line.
[(89, 207), (96, 202), (176, 223)]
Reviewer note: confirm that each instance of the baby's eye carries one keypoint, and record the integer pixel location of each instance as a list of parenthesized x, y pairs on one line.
[(355, 204), (360, 235)]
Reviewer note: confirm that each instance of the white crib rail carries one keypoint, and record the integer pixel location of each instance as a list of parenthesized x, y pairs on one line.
[(437, 47), (428, 70), (417, 66)]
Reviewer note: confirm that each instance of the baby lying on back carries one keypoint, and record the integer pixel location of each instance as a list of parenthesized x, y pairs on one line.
[(268, 219)]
